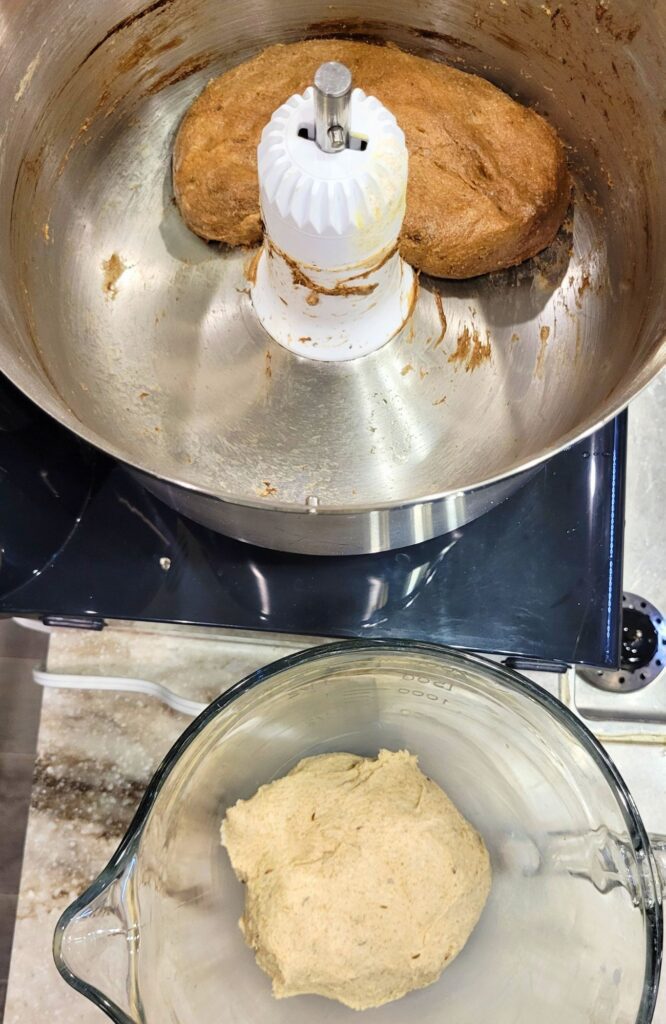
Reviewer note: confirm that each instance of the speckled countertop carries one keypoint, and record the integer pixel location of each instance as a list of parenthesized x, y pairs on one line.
[(95, 756)]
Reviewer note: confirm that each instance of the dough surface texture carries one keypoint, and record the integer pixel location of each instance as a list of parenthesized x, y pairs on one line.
[(488, 182), (363, 879)]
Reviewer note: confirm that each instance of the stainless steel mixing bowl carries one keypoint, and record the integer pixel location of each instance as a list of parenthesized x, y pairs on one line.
[(141, 337), (572, 930)]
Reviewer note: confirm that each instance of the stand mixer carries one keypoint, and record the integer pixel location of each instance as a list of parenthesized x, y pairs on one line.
[(143, 339)]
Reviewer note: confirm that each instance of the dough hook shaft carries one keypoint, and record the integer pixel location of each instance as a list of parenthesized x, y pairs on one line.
[(332, 88)]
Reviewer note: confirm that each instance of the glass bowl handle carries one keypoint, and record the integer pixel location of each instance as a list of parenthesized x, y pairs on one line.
[(95, 947), (658, 844), (598, 855)]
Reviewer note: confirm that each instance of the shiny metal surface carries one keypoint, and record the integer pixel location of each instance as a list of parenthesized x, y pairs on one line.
[(332, 92), (140, 337), (342, 532)]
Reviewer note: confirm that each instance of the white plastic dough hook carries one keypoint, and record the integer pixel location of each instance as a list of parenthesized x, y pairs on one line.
[(330, 283)]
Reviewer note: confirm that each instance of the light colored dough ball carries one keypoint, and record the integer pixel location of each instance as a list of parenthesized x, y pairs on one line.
[(363, 879)]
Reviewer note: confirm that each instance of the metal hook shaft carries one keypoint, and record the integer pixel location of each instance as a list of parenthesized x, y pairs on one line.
[(332, 88)]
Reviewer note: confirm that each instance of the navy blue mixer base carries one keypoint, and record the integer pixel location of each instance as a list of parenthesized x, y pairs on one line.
[(538, 578)]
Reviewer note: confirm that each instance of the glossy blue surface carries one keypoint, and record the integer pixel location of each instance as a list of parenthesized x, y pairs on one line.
[(538, 577)]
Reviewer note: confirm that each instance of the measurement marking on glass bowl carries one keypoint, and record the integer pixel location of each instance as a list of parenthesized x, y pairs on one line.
[(428, 681), (420, 693)]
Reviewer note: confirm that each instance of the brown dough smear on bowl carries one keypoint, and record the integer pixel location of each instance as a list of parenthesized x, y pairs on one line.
[(488, 182)]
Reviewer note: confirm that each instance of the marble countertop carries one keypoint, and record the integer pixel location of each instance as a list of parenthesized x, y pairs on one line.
[(96, 754)]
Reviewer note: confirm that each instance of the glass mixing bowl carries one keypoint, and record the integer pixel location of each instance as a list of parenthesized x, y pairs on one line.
[(572, 929)]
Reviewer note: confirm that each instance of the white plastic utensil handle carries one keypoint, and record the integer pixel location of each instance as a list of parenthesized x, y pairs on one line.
[(121, 684)]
